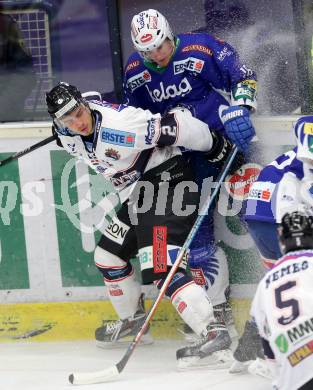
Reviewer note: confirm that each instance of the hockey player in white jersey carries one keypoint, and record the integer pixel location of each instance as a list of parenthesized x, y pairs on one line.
[(283, 306), (131, 147)]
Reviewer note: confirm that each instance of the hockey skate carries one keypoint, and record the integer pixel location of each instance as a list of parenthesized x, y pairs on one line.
[(248, 350), (263, 368), (113, 334), (210, 351), (222, 313)]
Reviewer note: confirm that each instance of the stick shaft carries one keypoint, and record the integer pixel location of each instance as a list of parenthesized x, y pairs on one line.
[(113, 372), (31, 148), (204, 210)]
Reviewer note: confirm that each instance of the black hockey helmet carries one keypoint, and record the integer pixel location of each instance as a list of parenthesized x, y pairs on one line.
[(63, 99), (295, 232)]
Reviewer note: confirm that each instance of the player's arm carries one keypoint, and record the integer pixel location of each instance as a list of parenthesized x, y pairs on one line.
[(237, 77), (223, 70), (180, 128), (242, 84)]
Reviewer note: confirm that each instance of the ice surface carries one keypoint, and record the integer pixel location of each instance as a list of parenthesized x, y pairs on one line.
[(41, 366)]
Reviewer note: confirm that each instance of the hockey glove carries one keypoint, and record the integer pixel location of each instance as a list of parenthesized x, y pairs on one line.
[(220, 150), (57, 140), (238, 126)]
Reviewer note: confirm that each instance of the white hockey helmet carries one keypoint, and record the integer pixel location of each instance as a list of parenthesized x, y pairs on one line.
[(149, 29)]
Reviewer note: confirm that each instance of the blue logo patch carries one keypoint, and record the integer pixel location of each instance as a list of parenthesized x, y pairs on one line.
[(118, 137), (173, 254)]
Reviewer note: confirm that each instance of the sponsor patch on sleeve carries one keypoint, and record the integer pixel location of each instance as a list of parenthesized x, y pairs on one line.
[(138, 80), (262, 191)]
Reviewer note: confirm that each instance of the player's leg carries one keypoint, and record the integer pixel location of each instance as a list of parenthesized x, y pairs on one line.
[(208, 263), (307, 386), (159, 239), (249, 347), (264, 235), (194, 307), (112, 257)]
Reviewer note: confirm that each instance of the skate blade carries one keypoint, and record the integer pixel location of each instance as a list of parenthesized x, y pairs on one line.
[(259, 367), (239, 367), (146, 339), (218, 360)]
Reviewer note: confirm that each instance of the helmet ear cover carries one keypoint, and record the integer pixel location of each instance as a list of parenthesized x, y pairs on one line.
[(149, 29), (295, 232)]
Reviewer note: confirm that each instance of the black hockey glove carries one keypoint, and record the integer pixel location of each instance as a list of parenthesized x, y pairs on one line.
[(57, 139), (220, 150)]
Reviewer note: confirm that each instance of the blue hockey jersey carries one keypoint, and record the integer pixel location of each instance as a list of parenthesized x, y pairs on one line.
[(286, 184), (203, 74)]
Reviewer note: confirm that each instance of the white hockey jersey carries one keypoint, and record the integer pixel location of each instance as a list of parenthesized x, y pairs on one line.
[(129, 141), (283, 311)]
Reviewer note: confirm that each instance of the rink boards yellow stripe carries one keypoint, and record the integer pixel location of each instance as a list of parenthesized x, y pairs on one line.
[(78, 320)]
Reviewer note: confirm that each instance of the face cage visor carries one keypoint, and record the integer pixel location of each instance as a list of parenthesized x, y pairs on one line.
[(68, 120)]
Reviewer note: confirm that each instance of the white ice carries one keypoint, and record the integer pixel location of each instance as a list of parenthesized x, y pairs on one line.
[(46, 366)]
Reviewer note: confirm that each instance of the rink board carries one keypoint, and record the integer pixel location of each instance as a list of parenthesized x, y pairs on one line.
[(50, 221), (78, 320)]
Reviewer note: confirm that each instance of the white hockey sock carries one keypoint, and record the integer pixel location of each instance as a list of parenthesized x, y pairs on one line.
[(123, 292), (194, 307), (124, 295)]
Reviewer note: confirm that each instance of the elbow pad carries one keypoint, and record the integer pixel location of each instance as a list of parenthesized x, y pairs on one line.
[(169, 130)]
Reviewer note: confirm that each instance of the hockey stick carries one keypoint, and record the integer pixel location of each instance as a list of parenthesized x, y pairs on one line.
[(17, 155), (112, 372)]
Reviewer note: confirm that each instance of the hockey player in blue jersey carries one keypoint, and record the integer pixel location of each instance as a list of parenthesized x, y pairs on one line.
[(283, 185), (204, 74)]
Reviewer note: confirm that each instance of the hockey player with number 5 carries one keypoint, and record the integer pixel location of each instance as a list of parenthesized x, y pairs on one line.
[(283, 306), (283, 185), (205, 75), (139, 152)]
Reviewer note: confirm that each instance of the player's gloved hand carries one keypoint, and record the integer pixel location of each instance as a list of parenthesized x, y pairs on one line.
[(238, 126), (220, 150), (57, 139)]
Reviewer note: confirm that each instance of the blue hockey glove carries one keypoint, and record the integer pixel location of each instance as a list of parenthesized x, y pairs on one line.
[(238, 126)]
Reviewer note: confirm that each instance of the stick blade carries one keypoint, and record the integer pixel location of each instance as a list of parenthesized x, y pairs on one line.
[(87, 378)]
